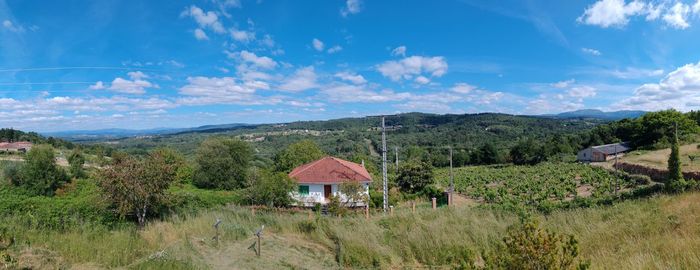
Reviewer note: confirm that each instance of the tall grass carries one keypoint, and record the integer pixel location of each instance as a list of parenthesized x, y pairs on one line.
[(659, 233)]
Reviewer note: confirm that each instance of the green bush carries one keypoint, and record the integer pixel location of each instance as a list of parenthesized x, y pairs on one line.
[(527, 246)]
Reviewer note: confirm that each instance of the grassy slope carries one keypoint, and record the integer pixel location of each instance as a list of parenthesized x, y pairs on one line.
[(659, 158), (659, 233)]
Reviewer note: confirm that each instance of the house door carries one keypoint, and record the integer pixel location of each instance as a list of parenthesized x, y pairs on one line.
[(327, 191)]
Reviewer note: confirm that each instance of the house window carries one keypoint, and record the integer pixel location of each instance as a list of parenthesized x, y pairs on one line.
[(304, 190)]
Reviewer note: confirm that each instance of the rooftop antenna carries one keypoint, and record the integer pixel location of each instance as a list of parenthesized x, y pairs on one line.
[(385, 187)]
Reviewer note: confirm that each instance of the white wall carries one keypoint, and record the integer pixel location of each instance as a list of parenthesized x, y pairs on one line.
[(316, 194)]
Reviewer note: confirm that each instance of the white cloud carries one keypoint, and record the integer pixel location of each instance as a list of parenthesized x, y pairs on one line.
[(399, 51), (463, 88), (677, 16), (258, 61), (617, 13), (591, 51), (679, 89), (563, 84), (607, 13), (635, 73), (409, 67), (9, 25), (99, 85), (348, 93), (199, 34), (136, 85), (351, 7), (582, 91), (205, 20), (302, 79), (317, 44), (334, 49), (242, 35), (422, 80), (223, 90), (351, 77)]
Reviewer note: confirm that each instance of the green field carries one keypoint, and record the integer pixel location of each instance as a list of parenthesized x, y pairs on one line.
[(542, 186)]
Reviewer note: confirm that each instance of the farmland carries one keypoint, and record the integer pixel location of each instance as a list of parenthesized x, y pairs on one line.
[(541, 186), (659, 158)]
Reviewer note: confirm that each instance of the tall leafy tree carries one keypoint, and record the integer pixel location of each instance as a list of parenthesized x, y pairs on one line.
[(222, 164), (297, 154), (138, 186), (675, 175), (415, 176), (76, 160), (39, 173), (527, 151), (270, 188)]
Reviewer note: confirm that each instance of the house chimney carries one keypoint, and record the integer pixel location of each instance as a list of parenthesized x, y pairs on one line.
[(363, 163)]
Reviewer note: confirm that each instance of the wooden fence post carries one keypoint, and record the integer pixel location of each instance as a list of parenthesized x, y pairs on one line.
[(366, 211), (413, 206), (391, 210), (252, 209), (434, 203)]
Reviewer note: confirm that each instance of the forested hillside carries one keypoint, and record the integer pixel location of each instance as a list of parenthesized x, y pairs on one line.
[(361, 136)]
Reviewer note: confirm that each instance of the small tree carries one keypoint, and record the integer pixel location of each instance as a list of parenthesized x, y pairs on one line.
[(415, 175), (675, 176), (527, 152), (76, 161), (39, 173), (529, 247), (297, 154), (270, 188), (136, 187), (222, 164), (354, 193)]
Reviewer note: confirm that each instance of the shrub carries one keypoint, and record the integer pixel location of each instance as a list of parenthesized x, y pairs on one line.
[(527, 246), (39, 174), (270, 188)]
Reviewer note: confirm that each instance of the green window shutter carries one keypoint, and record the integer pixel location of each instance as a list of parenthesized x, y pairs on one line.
[(304, 190)]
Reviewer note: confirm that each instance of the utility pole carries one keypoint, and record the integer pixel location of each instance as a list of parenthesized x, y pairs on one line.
[(384, 178), (617, 179), (452, 180)]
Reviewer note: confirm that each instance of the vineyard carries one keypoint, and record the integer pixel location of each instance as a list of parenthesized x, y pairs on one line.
[(544, 186)]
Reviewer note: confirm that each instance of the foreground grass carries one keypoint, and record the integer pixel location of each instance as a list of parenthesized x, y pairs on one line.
[(656, 233)]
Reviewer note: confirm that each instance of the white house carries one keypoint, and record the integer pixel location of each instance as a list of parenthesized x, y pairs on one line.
[(320, 179), (601, 153)]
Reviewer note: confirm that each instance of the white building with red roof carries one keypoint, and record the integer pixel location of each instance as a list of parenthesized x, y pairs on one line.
[(321, 179)]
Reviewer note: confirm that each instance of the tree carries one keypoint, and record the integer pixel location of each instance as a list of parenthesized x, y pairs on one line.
[(39, 174), (529, 247), (415, 175), (270, 188), (354, 193), (76, 161), (527, 152), (222, 164), (486, 154), (297, 154), (138, 186), (675, 176)]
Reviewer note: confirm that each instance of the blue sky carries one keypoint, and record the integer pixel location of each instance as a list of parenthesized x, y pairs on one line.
[(143, 64)]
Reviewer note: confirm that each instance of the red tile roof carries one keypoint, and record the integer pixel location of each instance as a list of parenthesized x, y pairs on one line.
[(330, 170)]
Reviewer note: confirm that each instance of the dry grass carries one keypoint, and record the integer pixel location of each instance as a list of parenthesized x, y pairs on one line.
[(659, 158), (656, 233)]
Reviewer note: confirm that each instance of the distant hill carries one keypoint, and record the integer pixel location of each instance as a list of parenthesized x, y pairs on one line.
[(598, 114), (116, 133), (348, 137)]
